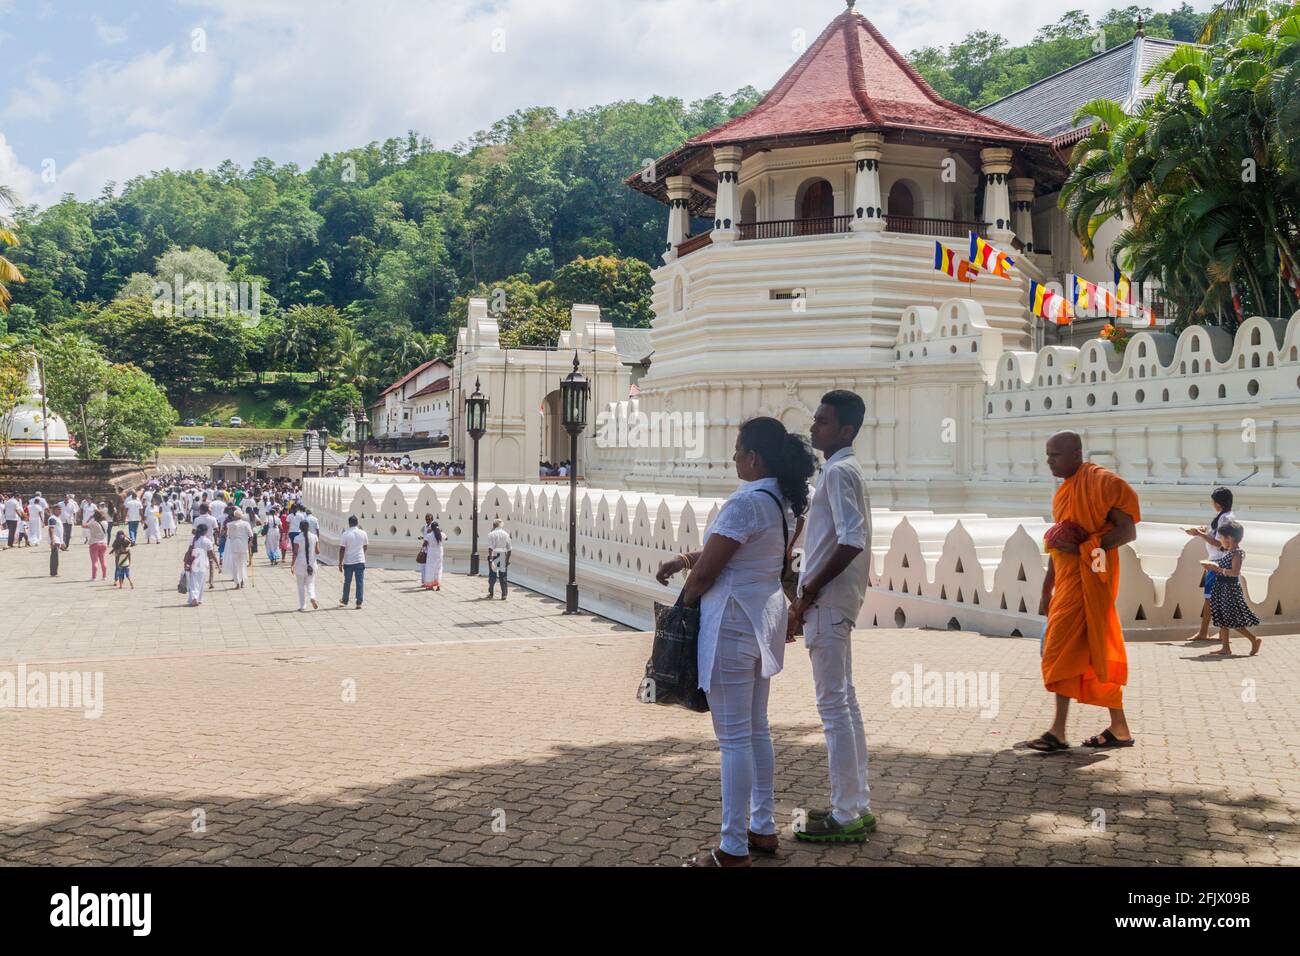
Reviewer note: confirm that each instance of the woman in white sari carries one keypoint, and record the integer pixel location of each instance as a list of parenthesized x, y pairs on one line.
[(152, 533), (168, 517), (431, 570), (239, 536), (199, 562)]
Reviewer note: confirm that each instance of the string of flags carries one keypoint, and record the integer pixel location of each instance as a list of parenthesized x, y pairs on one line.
[(1046, 304)]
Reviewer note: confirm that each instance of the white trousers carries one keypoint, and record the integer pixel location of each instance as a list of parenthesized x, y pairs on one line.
[(306, 587), (830, 646), (198, 579), (738, 704)]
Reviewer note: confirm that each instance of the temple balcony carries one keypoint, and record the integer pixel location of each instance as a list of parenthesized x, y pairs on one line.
[(832, 225)]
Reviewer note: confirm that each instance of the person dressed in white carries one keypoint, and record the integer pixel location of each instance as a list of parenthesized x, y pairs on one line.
[(498, 545), (36, 517), (431, 570), (200, 563), (239, 537), (12, 517), (152, 525), (736, 578), (169, 517), (832, 586), (87, 512), (306, 548)]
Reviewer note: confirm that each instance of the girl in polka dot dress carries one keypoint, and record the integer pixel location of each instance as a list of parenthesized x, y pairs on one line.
[(1228, 607)]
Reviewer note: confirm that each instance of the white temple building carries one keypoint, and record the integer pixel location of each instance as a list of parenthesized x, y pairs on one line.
[(825, 203), (33, 429)]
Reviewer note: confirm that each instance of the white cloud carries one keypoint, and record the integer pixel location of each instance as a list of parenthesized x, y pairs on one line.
[(14, 174), (291, 79), (108, 34), (157, 90), (39, 98)]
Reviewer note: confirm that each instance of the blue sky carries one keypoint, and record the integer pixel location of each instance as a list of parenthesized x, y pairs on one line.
[(100, 92)]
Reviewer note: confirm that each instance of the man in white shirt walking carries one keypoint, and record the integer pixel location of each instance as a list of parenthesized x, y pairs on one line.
[(12, 508), (352, 560), (498, 543), (133, 509), (36, 517), (832, 587)]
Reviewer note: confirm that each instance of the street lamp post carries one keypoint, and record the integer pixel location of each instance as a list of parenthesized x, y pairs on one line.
[(308, 439), (476, 407), (362, 425), (574, 390), (323, 442)]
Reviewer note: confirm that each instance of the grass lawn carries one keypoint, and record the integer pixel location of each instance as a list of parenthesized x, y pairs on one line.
[(275, 405)]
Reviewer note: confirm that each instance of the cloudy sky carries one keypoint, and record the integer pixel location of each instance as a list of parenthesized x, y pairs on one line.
[(99, 92)]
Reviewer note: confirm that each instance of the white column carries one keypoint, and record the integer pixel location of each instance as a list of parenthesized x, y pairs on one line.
[(996, 167), (726, 160), (1022, 211), (679, 217), (868, 210)]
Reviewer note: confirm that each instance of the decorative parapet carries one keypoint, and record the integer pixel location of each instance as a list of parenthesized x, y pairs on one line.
[(961, 571)]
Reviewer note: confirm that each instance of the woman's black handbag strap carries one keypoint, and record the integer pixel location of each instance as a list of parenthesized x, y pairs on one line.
[(785, 533)]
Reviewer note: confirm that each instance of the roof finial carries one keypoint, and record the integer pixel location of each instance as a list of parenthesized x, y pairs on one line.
[(1141, 30), (849, 4)]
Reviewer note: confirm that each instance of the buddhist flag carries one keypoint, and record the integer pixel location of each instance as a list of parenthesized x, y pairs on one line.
[(1236, 302), (986, 256), (949, 263), (1047, 304), (1123, 289)]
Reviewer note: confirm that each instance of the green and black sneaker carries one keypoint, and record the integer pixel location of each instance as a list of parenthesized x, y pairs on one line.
[(822, 827)]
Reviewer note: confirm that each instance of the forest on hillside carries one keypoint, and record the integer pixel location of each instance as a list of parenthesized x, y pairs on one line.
[(366, 259)]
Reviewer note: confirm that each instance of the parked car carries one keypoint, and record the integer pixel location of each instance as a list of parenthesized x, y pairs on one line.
[(236, 421), (189, 423), (215, 423)]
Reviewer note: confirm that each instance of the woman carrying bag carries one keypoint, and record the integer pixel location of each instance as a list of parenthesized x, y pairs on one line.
[(736, 579)]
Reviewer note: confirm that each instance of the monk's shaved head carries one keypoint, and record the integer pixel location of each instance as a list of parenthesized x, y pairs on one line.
[(1067, 439), (1064, 453)]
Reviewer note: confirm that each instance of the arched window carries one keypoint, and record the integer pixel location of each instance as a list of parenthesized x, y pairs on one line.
[(816, 207), (901, 200), (749, 207)]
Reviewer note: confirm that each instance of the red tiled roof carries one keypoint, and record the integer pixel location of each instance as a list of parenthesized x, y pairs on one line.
[(441, 385), (852, 78), (409, 375)]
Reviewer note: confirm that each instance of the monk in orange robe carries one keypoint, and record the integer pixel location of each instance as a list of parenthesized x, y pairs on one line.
[(1083, 648)]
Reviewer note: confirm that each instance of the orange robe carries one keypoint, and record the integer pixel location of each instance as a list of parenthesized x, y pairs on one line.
[(1083, 648)]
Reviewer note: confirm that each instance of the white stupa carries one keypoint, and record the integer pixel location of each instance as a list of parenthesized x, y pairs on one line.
[(30, 428)]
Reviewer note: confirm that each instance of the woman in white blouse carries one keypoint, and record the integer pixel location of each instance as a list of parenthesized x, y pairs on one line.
[(736, 578)]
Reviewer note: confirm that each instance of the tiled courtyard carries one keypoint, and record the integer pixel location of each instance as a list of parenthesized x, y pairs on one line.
[(443, 728)]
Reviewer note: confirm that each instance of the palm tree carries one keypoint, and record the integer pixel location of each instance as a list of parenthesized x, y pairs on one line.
[(8, 271), (1204, 177)]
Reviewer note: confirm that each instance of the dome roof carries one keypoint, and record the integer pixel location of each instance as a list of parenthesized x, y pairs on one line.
[(29, 428)]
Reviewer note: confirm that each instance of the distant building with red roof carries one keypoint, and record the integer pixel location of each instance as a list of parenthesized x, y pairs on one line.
[(417, 405)]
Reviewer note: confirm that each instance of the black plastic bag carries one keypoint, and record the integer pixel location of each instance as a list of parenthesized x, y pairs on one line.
[(672, 675)]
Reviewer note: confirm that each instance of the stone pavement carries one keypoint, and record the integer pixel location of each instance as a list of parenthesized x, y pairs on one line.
[(244, 733)]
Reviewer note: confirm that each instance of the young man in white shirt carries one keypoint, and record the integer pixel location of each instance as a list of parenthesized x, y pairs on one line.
[(12, 516), (832, 587), (133, 510), (498, 543), (54, 524), (352, 560)]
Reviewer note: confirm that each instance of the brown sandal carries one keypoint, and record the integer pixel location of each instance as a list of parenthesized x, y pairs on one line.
[(716, 858), (765, 843)]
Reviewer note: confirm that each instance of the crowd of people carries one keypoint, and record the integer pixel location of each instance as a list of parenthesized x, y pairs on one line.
[(228, 524), (547, 470), (404, 465)]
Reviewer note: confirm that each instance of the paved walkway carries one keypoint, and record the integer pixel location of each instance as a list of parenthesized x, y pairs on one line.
[(243, 732)]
